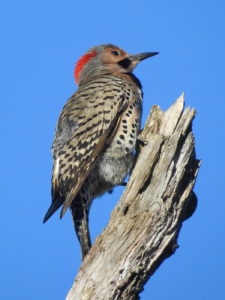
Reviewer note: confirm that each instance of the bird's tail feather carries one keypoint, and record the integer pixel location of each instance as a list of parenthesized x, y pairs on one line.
[(80, 220), (54, 206)]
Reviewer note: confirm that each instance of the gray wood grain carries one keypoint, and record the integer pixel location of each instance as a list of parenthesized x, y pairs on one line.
[(144, 226)]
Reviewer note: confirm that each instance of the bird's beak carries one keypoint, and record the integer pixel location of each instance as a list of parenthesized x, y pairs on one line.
[(141, 56), (130, 62)]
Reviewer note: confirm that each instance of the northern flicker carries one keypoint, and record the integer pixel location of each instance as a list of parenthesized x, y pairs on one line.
[(95, 138)]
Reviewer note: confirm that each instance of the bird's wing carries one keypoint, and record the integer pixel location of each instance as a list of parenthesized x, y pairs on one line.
[(85, 125)]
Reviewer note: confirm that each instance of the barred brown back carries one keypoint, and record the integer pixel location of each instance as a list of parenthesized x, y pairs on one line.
[(83, 128)]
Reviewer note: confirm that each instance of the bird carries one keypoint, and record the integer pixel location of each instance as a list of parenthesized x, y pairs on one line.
[(96, 134)]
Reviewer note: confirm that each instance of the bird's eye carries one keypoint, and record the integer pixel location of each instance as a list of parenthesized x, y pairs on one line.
[(115, 53)]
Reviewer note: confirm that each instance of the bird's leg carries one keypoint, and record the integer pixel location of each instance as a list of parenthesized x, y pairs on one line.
[(80, 220)]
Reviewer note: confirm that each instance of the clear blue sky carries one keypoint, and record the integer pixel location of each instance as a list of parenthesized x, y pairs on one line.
[(40, 42)]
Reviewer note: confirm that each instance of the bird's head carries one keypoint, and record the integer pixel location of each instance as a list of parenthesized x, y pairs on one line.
[(106, 59)]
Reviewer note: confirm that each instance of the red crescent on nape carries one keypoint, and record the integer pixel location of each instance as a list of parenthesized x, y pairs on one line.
[(81, 62)]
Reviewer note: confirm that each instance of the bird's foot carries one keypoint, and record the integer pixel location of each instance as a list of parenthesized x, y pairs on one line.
[(141, 142)]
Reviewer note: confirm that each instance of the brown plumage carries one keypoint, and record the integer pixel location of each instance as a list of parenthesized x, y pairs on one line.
[(95, 138)]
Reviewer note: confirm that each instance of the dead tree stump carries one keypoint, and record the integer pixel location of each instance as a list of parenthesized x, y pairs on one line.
[(145, 224)]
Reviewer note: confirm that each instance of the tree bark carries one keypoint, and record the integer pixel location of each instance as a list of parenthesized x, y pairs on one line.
[(145, 224)]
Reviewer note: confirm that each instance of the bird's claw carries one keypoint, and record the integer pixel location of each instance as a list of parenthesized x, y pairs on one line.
[(142, 142)]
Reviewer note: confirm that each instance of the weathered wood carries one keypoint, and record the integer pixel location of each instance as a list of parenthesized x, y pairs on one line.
[(144, 225)]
